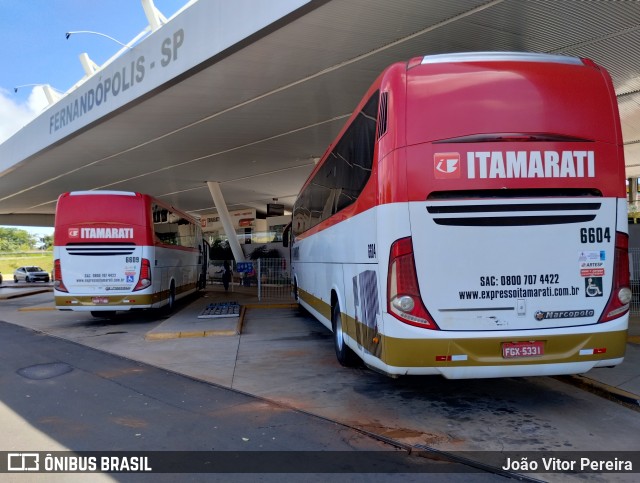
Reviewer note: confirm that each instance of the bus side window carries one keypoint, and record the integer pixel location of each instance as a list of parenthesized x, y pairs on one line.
[(343, 173)]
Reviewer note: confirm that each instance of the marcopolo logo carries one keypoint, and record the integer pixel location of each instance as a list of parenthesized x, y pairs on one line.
[(563, 314), (446, 165)]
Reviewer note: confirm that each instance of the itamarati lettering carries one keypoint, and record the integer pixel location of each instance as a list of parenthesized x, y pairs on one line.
[(531, 164), (106, 232)]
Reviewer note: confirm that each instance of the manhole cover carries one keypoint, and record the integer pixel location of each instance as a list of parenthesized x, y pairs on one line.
[(45, 371)]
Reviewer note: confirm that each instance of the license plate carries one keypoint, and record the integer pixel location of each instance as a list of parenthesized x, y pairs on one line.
[(100, 300), (511, 350)]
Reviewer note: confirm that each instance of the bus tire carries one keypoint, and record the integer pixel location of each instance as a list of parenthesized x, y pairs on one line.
[(344, 353), (171, 301), (295, 291)]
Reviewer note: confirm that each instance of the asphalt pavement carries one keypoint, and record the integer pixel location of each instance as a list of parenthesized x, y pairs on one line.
[(57, 395), (283, 360)]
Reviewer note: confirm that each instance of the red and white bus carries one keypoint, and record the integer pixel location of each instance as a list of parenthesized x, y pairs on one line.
[(116, 250), (470, 220)]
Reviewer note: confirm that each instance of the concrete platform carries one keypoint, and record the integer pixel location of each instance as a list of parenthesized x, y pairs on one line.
[(621, 382), (189, 323)]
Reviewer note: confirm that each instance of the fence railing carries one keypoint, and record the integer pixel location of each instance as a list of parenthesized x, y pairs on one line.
[(271, 279), (268, 277)]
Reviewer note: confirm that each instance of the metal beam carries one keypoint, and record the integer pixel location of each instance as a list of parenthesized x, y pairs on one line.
[(155, 18), (225, 218), (89, 66), (27, 219)]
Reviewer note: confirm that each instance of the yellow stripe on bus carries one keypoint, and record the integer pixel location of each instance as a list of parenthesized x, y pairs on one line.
[(478, 351)]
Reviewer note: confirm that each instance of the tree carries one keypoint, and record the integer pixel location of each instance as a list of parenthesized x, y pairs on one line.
[(46, 241), (264, 252), (15, 239), (220, 250)]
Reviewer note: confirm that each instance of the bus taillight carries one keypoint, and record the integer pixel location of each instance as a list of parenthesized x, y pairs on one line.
[(620, 297), (145, 275), (403, 294), (57, 277)]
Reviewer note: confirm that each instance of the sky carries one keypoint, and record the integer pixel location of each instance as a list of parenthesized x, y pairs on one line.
[(34, 50)]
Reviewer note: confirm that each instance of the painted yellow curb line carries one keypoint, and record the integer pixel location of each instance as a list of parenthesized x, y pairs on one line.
[(601, 388), (189, 335), (284, 305), (198, 333), (35, 309)]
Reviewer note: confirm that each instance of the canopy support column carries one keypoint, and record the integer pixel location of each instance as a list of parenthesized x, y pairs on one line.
[(225, 218), (633, 190)]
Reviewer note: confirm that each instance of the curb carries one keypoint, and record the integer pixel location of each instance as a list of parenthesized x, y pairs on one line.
[(189, 335), (198, 333), (25, 293), (603, 390), (282, 305)]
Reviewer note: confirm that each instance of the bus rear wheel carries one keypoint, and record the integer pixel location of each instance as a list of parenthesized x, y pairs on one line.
[(344, 353), (295, 290), (168, 308)]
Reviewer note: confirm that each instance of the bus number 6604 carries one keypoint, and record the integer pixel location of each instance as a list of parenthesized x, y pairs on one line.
[(595, 235)]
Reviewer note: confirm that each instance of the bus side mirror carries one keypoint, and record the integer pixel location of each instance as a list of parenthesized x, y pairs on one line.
[(286, 233)]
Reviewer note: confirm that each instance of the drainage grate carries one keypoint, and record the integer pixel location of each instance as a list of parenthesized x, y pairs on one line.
[(220, 309)]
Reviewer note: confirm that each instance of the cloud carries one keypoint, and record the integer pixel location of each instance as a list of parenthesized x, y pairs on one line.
[(14, 115)]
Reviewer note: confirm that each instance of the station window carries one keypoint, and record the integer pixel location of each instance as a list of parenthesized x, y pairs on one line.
[(172, 229)]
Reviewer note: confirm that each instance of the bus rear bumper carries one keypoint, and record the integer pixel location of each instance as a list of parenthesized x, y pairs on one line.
[(465, 355), (525, 370), (103, 303)]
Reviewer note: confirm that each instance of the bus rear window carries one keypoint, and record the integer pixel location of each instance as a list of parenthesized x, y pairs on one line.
[(73, 209), (468, 99)]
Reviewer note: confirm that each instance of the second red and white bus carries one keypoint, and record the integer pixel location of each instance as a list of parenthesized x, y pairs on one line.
[(116, 250), (470, 220)]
